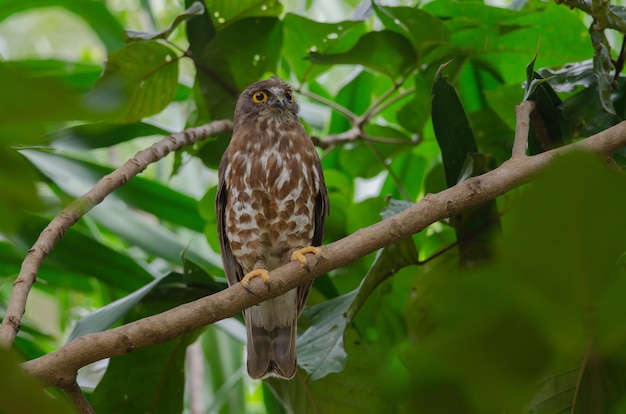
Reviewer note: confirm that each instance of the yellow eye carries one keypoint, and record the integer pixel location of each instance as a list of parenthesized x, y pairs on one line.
[(259, 96), (289, 96)]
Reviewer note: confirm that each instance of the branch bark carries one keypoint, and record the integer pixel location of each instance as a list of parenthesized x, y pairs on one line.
[(78, 208), (59, 367)]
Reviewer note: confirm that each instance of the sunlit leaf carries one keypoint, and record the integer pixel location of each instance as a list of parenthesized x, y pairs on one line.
[(303, 35), (138, 80), (422, 29), (386, 52), (224, 13)]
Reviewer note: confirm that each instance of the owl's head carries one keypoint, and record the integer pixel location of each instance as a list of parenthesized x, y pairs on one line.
[(271, 100)]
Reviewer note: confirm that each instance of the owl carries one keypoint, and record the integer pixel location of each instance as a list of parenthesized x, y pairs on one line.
[(271, 204)]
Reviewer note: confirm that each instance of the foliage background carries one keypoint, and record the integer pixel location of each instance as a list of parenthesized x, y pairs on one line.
[(512, 307)]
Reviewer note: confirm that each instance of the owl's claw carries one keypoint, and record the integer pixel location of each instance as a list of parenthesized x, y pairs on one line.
[(299, 255), (262, 273)]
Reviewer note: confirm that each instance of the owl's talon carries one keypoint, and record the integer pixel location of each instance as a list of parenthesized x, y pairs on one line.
[(262, 273), (299, 255)]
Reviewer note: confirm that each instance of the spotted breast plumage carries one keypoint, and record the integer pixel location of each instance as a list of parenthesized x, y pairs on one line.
[(271, 204)]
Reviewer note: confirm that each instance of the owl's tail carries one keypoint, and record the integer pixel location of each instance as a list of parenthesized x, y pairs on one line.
[(271, 352)]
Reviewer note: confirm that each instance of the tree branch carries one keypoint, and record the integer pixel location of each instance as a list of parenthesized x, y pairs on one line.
[(76, 395), (78, 208), (59, 367), (522, 127)]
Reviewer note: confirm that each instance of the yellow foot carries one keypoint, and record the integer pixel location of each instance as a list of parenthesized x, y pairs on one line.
[(299, 255), (262, 273)]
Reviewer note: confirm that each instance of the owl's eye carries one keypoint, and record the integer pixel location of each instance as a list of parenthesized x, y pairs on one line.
[(259, 96), (289, 96)]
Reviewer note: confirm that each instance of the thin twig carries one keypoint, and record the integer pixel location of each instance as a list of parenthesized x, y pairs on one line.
[(351, 116), (374, 107), (337, 139), (522, 127), (78, 208), (77, 397)]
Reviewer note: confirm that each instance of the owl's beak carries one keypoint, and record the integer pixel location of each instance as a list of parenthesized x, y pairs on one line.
[(280, 103)]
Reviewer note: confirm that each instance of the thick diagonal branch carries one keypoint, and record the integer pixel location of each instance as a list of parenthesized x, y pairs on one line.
[(59, 367)]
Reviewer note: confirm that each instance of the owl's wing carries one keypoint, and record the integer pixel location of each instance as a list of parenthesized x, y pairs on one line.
[(322, 208), (233, 270)]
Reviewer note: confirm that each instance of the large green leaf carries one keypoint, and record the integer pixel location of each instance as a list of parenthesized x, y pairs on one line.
[(17, 186), (226, 68), (23, 119), (452, 129), (75, 177), (544, 304), (103, 318), (78, 253), (96, 14), (386, 52), (102, 135), (224, 13), (336, 393), (475, 226), (320, 347), (224, 381), (421, 28), (79, 76), (303, 35), (138, 80), (150, 379)]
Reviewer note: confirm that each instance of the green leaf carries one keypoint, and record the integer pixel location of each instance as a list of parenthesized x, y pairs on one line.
[(386, 52), (389, 261), (541, 306), (394, 207), (224, 381), (421, 28), (224, 13), (414, 114), (95, 14), (568, 77), (320, 347), (75, 177), (196, 9), (103, 318), (17, 186), (21, 393), (474, 227), (150, 379), (227, 68), (102, 135), (333, 393), (303, 35), (452, 129), (78, 253), (24, 119), (78, 76), (138, 80)]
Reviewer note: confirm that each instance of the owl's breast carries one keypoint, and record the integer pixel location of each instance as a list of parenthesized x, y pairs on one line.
[(271, 203)]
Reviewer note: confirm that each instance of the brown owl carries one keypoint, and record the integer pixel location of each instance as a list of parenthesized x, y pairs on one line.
[(271, 205)]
